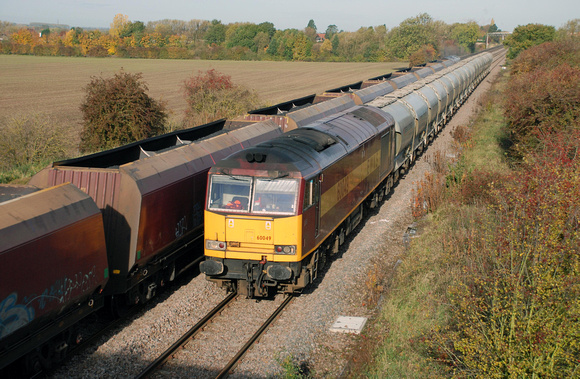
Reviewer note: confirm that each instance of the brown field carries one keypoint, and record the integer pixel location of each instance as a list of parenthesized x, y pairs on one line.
[(52, 87)]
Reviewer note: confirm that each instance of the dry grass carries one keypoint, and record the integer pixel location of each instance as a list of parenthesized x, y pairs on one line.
[(53, 86)]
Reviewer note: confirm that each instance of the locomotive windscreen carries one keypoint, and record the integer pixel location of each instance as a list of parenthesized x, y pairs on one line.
[(255, 195)]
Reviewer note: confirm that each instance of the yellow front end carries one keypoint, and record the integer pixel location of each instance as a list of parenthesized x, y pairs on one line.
[(254, 238)]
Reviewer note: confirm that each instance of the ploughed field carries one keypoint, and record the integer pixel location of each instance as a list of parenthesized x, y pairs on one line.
[(54, 86)]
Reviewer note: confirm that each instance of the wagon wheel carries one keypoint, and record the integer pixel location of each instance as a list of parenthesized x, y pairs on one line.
[(119, 306)]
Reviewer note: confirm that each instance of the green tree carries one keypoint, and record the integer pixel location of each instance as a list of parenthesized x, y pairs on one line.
[(526, 36), (117, 111), (216, 33), (412, 35), (466, 35), (45, 33), (268, 28), (335, 44), (570, 30), (331, 31), (286, 40), (136, 29), (273, 47), (243, 36), (312, 25)]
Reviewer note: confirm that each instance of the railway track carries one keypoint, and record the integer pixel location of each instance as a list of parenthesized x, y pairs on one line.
[(173, 350)]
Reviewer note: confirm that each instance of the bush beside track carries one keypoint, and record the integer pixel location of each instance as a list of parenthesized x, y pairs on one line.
[(491, 288)]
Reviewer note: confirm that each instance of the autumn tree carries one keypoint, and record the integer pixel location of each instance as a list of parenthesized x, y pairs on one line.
[(212, 95), (117, 111), (302, 48), (119, 24), (422, 56), (283, 44), (543, 96)]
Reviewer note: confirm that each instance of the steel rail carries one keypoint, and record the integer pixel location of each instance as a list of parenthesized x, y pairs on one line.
[(236, 359), (153, 366)]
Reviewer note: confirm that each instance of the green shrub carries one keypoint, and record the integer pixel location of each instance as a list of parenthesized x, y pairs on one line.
[(515, 308), (28, 144), (212, 95), (526, 36), (117, 111)]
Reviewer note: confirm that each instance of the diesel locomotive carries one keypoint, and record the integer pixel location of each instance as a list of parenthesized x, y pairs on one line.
[(274, 213)]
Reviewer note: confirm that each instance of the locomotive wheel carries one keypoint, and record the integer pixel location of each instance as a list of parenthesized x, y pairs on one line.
[(381, 194), (32, 364)]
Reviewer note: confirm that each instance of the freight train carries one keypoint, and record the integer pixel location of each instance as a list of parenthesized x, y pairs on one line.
[(121, 230), (275, 212), (119, 224)]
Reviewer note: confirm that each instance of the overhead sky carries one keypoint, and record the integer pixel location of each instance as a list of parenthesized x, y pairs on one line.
[(348, 15)]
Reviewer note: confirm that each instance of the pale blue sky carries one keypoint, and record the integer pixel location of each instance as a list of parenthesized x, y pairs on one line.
[(348, 15)]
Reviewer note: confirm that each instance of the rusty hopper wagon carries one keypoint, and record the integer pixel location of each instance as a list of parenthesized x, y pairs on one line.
[(296, 113), (53, 267), (151, 194)]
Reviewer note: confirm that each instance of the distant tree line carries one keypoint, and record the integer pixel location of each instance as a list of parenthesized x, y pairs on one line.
[(420, 37)]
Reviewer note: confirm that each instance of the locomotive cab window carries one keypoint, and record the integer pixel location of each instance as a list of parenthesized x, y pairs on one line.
[(229, 193), (275, 196), (310, 193)]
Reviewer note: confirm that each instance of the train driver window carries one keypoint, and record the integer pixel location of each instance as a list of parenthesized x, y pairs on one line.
[(276, 196), (229, 192), (310, 193)]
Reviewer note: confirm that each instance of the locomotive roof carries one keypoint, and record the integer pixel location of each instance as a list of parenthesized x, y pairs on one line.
[(314, 147)]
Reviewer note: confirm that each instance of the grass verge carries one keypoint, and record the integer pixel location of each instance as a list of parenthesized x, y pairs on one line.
[(415, 309)]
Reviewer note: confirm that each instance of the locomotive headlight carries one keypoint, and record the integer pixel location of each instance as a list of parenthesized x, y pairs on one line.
[(215, 245), (285, 249)]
